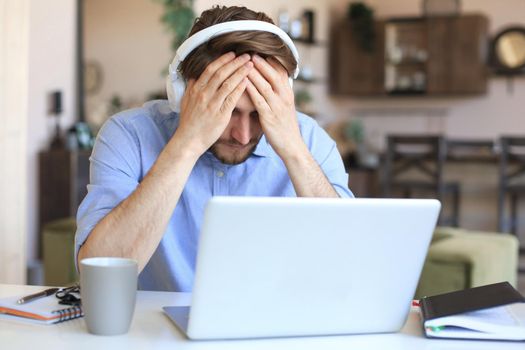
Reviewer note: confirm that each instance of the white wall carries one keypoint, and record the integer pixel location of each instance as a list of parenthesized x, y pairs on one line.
[(52, 50), (126, 36), (14, 51)]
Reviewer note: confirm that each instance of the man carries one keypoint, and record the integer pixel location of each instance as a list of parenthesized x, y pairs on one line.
[(237, 133)]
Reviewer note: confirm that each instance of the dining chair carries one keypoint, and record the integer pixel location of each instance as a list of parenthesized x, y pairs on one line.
[(511, 181), (413, 168), (471, 151)]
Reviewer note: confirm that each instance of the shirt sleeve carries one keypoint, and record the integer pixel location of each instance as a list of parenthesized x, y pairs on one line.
[(324, 150), (114, 175)]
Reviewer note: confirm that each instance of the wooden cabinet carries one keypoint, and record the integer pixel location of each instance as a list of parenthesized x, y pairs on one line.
[(63, 180), (406, 56), (458, 52), (425, 56), (364, 182), (352, 70)]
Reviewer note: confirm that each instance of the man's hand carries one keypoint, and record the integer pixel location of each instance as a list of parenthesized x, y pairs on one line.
[(273, 98), (208, 102)]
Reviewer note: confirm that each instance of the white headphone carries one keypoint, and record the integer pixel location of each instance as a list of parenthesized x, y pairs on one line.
[(176, 84)]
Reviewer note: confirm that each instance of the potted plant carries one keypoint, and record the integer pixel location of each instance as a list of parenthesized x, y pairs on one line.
[(178, 18), (362, 19)]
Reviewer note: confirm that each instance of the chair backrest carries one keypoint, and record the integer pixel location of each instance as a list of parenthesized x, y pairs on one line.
[(421, 157), (477, 150), (512, 160)]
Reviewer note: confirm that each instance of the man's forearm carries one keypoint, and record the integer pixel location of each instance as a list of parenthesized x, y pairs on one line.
[(307, 177), (135, 227)]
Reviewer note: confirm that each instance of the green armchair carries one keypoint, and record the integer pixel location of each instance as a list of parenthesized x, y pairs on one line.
[(58, 241), (459, 259)]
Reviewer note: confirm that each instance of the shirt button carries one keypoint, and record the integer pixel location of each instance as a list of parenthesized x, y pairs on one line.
[(219, 173)]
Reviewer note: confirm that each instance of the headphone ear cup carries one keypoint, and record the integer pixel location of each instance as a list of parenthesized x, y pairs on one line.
[(170, 93), (175, 88)]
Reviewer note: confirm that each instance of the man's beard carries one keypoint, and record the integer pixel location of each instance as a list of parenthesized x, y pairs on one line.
[(227, 152)]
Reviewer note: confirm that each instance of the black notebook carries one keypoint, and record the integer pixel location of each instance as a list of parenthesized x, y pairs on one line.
[(495, 311)]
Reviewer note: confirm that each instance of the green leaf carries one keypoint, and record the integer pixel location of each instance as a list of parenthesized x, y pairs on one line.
[(177, 18)]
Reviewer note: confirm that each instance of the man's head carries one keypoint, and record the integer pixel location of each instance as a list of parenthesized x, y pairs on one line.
[(252, 42), (243, 132)]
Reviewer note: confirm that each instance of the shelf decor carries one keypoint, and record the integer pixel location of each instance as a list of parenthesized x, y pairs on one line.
[(362, 20)]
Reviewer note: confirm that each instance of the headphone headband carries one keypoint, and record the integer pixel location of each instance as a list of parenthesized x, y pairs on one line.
[(215, 30), (175, 83)]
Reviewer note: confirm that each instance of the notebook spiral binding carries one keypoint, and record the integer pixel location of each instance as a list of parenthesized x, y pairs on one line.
[(69, 313)]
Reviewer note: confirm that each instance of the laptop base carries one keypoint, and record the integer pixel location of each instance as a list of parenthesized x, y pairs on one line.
[(180, 316)]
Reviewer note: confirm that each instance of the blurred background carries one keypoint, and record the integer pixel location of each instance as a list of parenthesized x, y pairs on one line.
[(440, 79)]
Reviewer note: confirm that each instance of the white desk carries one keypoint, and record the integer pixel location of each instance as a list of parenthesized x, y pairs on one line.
[(151, 329)]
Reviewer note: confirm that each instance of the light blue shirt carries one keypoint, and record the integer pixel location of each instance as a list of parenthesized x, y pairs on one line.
[(127, 146)]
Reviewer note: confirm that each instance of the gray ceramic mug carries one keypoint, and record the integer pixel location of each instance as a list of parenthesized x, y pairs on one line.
[(108, 287)]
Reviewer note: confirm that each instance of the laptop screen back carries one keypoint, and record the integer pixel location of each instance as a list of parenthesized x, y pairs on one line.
[(271, 267)]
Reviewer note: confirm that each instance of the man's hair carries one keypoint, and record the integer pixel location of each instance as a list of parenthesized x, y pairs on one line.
[(261, 43)]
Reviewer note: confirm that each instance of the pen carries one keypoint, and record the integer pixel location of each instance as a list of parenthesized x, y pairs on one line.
[(38, 295)]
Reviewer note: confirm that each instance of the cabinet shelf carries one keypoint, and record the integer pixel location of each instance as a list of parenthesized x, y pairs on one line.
[(399, 92), (448, 52), (406, 63)]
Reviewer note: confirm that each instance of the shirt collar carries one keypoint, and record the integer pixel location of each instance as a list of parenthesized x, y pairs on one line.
[(263, 148)]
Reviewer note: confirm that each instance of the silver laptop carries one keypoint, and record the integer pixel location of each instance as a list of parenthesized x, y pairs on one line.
[(274, 267)]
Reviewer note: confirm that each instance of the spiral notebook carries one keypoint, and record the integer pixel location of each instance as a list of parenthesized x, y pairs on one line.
[(45, 310)]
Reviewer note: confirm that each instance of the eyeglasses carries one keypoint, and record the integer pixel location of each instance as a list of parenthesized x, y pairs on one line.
[(69, 295)]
